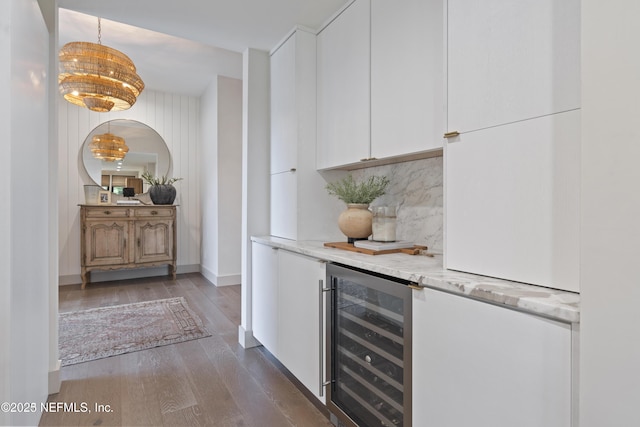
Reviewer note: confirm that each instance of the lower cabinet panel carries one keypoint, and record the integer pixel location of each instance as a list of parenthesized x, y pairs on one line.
[(476, 364)]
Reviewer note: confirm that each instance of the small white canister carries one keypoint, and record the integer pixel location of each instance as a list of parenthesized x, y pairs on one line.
[(384, 223), (91, 194)]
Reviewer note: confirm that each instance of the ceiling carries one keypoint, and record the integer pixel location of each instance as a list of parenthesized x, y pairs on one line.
[(178, 46)]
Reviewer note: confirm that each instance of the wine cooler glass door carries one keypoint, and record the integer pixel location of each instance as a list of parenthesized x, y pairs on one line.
[(370, 364)]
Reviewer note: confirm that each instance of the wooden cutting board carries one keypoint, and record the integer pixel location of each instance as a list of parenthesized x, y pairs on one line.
[(415, 250)]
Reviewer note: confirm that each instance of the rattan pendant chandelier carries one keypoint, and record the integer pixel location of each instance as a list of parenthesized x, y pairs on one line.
[(108, 147), (98, 77)]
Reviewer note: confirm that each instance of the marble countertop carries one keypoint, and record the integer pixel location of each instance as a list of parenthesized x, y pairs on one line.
[(427, 271)]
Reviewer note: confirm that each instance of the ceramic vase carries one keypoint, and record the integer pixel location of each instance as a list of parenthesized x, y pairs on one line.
[(162, 194), (355, 222)]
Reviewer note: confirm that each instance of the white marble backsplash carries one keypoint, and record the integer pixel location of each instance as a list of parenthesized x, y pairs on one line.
[(416, 190)]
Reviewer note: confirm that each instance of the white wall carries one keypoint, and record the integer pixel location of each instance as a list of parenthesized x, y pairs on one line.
[(5, 218), (24, 252), (221, 108), (177, 119), (610, 215), (50, 11), (209, 181), (255, 169)]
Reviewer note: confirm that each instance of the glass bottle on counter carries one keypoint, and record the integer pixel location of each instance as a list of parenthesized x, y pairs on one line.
[(384, 223)]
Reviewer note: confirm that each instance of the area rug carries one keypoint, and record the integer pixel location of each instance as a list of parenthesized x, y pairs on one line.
[(109, 331)]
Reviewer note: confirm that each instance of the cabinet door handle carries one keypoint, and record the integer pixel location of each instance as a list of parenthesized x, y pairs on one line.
[(321, 299), (154, 212), (107, 212), (452, 134), (416, 286), (292, 170), (138, 242)]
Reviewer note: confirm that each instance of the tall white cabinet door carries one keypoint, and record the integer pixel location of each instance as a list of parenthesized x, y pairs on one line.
[(293, 139), (284, 205), (300, 323), (264, 295), (512, 195), (511, 60), (407, 105), (283, 107), (343, 63), (476, 364)]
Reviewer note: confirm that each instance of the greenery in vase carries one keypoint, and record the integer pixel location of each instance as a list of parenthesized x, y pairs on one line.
[(158, 180), (365, 192)]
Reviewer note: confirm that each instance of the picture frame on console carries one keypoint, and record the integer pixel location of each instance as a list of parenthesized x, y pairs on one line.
[(104, 197)]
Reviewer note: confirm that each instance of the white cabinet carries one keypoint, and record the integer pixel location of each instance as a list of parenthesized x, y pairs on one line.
[(301, 344), (513, 201), (380, 92), (298, 198), (284, 205), (512, 175), (288, 311), (292, 125), (284, 114), (475, 364), (343, 88), (511, 61), (407, 93), (264, 295)]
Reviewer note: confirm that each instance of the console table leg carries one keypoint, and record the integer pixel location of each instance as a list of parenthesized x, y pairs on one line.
[(83, 276)]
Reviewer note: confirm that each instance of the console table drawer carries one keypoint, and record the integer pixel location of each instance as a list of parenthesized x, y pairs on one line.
[(155, 212), (107, 212)]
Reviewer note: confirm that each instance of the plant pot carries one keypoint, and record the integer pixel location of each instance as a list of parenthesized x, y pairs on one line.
[(355, 222), (162, 194), (91, 194)]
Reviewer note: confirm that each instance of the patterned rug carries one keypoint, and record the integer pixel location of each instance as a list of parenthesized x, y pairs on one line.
[(108, 331)]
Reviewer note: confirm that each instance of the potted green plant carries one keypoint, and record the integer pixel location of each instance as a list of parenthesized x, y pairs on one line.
[(161, 189), (356, 221)]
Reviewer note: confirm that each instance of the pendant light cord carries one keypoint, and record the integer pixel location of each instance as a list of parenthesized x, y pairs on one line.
[(99, 32)]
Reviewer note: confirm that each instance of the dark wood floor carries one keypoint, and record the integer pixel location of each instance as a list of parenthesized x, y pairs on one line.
[(210, 381)]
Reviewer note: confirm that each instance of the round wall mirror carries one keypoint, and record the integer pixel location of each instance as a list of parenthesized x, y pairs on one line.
[(147, 152)]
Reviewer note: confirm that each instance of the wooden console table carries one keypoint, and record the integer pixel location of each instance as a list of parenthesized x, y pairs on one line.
[(116, 237)]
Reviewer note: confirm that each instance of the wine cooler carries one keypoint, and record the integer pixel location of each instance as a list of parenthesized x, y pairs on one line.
[(369, 349)]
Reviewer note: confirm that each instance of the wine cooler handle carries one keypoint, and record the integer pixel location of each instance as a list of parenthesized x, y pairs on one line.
[(321, 339)]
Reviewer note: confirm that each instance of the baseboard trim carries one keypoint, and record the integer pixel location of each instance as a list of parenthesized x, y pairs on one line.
[(227, 280), (133, 273), (54, 379), (246, 338)]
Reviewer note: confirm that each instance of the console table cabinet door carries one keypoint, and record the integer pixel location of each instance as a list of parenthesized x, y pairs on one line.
[(106, 243), (154, 241)]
